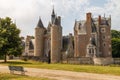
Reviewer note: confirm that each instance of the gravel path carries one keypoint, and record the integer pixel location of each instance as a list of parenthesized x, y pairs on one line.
[(63, 75)]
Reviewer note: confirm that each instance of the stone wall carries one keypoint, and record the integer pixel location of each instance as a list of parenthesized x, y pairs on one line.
[(103, 61), (95, 61), (81, 60), (116, 60), (35, 58)]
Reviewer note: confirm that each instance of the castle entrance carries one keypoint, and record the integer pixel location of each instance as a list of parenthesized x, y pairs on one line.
[(49, 57)]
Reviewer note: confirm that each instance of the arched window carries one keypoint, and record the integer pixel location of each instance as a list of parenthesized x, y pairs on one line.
[(89, 51), (92, 50), (104, 44)]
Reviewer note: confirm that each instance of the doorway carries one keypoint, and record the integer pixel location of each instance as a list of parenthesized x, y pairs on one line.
[(49, 57)]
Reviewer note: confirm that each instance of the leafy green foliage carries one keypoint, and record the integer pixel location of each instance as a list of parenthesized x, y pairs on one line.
[(115, 34), (115, 43), (116, 47), (1, 57), (10, 42)]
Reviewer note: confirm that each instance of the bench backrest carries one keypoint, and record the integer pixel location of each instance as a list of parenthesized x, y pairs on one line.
[(16, 68)]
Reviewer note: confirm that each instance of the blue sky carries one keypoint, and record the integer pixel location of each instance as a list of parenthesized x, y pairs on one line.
[(26, 12), (98, 2)]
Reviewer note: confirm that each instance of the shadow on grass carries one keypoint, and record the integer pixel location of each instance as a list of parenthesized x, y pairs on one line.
[(18, 74), (15, 62), (7, 76)]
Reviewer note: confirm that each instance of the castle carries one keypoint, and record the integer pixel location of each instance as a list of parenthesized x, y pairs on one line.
[(92, 39)]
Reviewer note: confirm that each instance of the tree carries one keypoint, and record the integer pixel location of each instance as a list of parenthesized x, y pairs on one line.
[(10, 42), (115, 47), (115, 34), (115, 43)]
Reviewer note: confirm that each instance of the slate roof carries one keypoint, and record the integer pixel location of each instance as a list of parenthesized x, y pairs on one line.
[(40, 24)]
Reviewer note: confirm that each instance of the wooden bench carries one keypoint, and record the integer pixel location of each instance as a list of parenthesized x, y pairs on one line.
[(17, 68)]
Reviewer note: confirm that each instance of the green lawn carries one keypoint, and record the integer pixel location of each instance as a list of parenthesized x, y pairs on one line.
[(112, 69), (7, 76)]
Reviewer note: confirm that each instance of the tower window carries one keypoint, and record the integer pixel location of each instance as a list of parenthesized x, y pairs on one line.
[(104, 44), (103, 37), (102, 30)]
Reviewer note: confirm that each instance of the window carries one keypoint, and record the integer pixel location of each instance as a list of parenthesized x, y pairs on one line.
[(89, 50), (102, 30), (92, 50), (104, 44), (103, 37)]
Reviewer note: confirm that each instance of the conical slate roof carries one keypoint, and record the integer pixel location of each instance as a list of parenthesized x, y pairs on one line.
[(53, 12), (40, 24)]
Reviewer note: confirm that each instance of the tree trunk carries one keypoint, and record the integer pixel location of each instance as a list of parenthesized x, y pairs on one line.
[(5, 59)]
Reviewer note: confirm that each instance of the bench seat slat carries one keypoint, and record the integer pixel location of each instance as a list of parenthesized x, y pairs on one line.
[(17, 68)]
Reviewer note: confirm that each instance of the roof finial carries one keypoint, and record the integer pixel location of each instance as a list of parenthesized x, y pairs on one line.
[(53, 6), (53, 12)]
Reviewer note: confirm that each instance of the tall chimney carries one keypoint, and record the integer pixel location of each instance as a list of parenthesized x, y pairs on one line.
[(99, 20), (88, 17)]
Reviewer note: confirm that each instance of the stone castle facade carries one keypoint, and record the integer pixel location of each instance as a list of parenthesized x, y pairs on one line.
[(92, 39), (48, 42)]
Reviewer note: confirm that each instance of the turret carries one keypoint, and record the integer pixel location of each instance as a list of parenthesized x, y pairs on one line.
[(53, 17), (56, 40), (39, 39)]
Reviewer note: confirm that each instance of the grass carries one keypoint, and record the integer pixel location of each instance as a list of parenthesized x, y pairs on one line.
[(6, 76), (112, 69)]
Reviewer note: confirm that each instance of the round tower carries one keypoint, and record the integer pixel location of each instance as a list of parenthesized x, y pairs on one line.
[(39, 39), (56, 43)]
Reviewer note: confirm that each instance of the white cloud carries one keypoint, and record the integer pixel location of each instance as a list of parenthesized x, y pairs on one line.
[(70, 10), (27, 12), (112, 8)]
